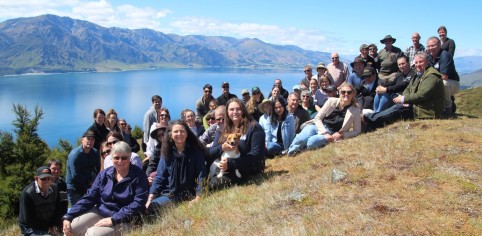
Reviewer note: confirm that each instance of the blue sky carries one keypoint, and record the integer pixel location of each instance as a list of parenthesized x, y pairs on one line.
[(326, 26)]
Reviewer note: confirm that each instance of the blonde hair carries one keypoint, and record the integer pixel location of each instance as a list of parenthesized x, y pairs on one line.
[(353, 99)]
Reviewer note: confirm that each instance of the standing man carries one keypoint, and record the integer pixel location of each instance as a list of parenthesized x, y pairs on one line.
[(425, 92), (225, 96), (282, 91), (40, 206), (416, 47), (338, 70), (202, 104), (443, 62), (150, 117), (83, 165), (294, 108), (369, 61), (388, 59), (305, 82), (245, 95)]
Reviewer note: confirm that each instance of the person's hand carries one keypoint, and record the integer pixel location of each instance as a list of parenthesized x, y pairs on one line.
[(192, 202), (226, 147), (223, 164), (106, 222), (337, 136), (67, 229), (398, 100), (381, 90), (54, 230), (329, 137)]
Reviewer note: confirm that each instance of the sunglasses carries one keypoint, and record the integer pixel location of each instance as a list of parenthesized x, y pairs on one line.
[(207, 91), (106, 152), (343, 92), (120, 158), (163, 115), (210, 118), (246, 94), (334, 58), (112, 143), (306, 71), (305, 96), (220, 119), (123, 124)]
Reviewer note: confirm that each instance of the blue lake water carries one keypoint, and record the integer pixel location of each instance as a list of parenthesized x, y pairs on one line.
[(68, 100)]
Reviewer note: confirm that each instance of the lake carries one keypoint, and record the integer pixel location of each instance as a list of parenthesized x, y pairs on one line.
[(68, 100)]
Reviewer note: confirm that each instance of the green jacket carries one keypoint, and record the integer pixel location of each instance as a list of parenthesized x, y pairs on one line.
[(426, 93)]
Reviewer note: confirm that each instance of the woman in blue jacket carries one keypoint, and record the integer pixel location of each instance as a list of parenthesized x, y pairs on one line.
[(181, 169), (281, 130), (115, 201)]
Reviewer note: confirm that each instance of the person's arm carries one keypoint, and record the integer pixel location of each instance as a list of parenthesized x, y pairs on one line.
[(140, 186), (89, 200), (216, 149), (136, 160), (425, 91), (146, 127), (159, 183), (200, 170), (444, 65), (255, 138), (451, 49), (25, 214)]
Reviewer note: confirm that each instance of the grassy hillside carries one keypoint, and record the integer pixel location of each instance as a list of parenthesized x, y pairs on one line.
[(414, 178), (469, 102)]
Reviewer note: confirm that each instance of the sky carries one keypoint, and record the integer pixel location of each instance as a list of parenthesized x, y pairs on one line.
[(327, 26)]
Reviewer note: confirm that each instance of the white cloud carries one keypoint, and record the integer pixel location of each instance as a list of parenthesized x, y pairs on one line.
[(465, 52), (101, 12), (305, 38)]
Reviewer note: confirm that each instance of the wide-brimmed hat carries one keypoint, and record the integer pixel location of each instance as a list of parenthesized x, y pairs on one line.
[(358, 59), (154, 128), (388, 37), (244, 91), (330, 88), (260, 106), (321, 65), (43, 171)]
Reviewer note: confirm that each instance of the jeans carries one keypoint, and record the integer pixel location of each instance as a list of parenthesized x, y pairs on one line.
[(73, 196), (387, 116), (159, 202), (273, 149), (382, 102), (308, 138)]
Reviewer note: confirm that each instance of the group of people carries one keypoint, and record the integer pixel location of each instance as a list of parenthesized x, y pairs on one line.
[(109, 187)]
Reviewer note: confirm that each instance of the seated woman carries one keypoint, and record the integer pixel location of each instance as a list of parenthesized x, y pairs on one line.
[(115, 201), (157, 133), (212, 105), (281, 129), (307, 103), (265, 107), (190, 118), (339, 118), (164, 118), (251, 146), (322, 94), (181, 168), (113, 138), (253, 104)]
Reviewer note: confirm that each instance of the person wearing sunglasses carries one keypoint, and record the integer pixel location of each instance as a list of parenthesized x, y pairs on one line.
[(212, 105), (115, 201), (337, 70), (112, 139), (305, 82), (158, 131), (202, 104), (164, 119), (226, 95), (40, 206), (338, 119), (208, 136)]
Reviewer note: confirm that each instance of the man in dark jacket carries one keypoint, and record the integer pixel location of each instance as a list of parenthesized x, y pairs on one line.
[(223, 98), (83, 165), (425, 92), (40, 206)]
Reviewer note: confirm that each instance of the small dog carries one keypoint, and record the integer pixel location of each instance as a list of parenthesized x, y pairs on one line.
[(232, 139)]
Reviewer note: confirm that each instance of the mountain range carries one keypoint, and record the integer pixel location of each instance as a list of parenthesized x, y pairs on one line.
[(50, 43)]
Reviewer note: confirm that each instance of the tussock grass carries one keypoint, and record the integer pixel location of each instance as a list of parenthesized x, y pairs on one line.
[(410, 178)]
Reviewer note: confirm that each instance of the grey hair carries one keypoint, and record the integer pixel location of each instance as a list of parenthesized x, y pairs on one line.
[(294, 94), (220, 110), (421, 55), (120, 147), (434, 38)]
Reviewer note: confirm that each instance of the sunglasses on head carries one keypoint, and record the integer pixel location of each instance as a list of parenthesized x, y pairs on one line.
[(112, 143), (120, 158)]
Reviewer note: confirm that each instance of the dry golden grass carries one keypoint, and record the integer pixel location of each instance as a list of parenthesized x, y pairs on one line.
[(410, 178)]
